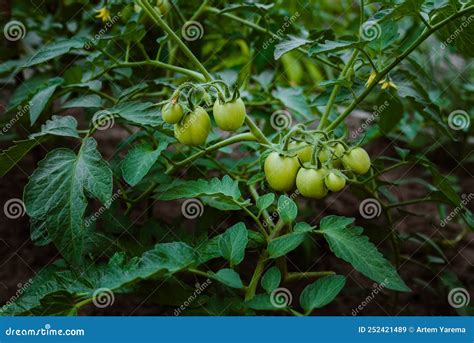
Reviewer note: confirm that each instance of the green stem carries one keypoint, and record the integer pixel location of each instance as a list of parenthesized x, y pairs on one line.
[(231, 140), (335, 90), (256, 131), (428, 32), (250, 293), (153, 14)]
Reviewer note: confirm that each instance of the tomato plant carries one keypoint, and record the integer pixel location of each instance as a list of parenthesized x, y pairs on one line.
[(237, 157)]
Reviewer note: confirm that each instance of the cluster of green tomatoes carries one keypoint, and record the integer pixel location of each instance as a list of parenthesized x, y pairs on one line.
[(309, 159), (315, 167), (193, 125)]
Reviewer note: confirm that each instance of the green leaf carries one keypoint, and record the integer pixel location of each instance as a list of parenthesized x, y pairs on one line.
[(294, 99), (321, 292), (161, 261), (139, 161), (41, 99), (55, 49), (287, 209), (229, 278), (389, 110), (233, 242), (284, 244), (287, 45), (271, 279), (331, 46), (11, 156), (265, 201), (349, 245), (56, 194), (142, 113), (261, 302), (85, 101), (59, 126), (225, 190)]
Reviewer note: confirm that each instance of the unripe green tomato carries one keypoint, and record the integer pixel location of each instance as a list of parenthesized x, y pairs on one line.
[(194, 128), (337, 153), (357, 160), (334, 182), (280, 171), (310, 183), (229, 116), (304, 152), (172, 113)]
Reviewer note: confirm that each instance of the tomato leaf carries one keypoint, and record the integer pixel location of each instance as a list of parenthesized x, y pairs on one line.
[(352, 247), (271, 279), (284, 244), (59, 126), (56, 194), (233, 242), (287, 209), (229, 278), (321, 292)]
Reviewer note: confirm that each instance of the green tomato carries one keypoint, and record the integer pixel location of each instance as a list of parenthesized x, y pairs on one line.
[(337, 151), (334, 182), (280, 171), (194, 128), (229, 116), (172, 113), (357, 160), (304, 152), (310, 183)]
